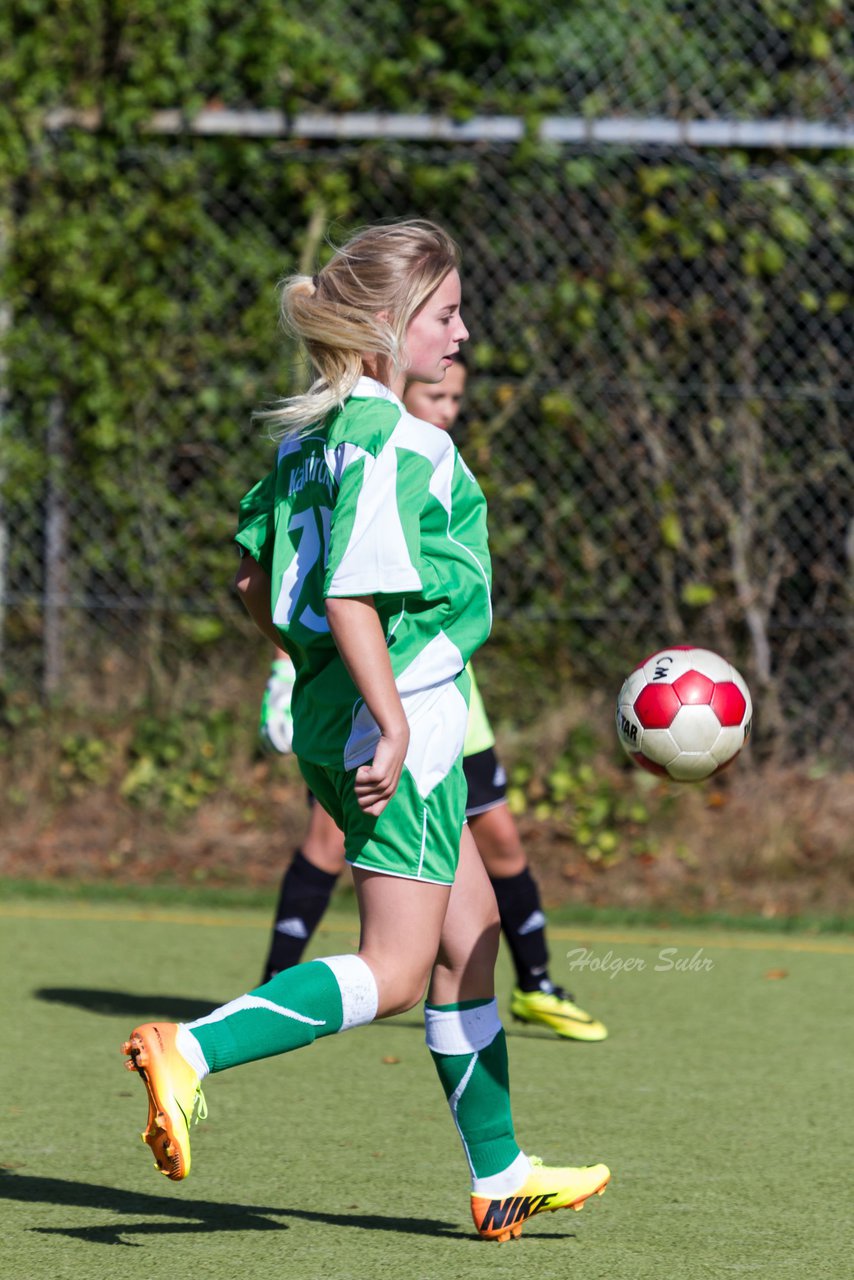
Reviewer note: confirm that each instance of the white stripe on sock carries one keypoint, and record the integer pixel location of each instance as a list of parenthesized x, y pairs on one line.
[(254, 1002), (358, 986), (454, 1102)]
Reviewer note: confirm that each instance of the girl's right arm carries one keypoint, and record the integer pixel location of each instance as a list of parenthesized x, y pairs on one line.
[(359, 636)]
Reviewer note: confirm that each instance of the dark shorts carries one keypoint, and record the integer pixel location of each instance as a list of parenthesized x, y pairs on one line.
[(486, 781)]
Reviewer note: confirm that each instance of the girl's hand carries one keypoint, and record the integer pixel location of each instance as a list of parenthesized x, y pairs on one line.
[(377, 782)]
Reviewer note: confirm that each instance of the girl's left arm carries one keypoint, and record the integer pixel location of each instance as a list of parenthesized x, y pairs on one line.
[(360, 638), (253, 586)]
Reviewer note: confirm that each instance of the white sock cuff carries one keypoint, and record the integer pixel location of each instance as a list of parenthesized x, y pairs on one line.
[(358, 987), (453, 1031), (189, 1048)]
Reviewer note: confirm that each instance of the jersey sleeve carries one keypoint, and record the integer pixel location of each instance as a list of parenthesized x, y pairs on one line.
[(375, 537), (256, 523)]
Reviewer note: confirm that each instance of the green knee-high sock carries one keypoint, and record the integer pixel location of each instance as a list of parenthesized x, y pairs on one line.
[(469, 1049), (293, 1009)]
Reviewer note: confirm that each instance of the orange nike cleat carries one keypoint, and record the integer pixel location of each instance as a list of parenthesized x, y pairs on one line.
[(174, 1094), (544, 1190)]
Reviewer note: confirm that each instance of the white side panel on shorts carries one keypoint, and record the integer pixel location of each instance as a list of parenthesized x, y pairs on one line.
[(428, 679)]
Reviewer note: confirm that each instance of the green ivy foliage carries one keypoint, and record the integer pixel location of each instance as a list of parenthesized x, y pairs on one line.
[(139, 276), (128, 58)]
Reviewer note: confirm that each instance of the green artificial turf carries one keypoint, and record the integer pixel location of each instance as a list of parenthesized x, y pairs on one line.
[(721, 1101)]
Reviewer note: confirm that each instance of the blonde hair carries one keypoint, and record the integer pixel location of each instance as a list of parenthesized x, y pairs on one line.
[(392, 269)]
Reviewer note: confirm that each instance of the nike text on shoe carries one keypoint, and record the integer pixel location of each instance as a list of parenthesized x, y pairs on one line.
[(545, 1189)]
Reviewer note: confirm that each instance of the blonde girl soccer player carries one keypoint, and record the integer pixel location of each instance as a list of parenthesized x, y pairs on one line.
[(309, 880), (365, 558)]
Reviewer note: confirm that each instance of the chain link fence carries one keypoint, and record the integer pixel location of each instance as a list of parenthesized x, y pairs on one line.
[(670, 59), (659, 403)]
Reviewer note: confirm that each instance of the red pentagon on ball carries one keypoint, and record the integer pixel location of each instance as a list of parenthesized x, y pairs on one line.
[(694, 689), (656, 705), (728, 703)]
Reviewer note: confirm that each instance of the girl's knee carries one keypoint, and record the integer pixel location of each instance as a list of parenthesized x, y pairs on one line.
[(398, 990)]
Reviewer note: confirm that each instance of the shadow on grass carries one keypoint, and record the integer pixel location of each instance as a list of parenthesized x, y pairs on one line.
[(198, 1215), (202, 1215), (140, 1008)]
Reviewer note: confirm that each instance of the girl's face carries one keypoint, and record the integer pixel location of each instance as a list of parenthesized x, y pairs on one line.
[(435, 333), (438, 402)]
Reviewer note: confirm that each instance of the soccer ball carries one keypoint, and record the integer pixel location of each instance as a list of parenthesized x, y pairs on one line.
[(684, 713)]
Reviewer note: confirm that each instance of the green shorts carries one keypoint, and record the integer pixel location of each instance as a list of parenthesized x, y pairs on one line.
[(415, 837)]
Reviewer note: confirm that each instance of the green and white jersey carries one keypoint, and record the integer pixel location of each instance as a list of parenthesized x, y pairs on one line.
[(375, 502)]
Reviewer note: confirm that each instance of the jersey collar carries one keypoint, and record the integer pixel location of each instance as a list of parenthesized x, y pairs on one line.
[(366, 388)]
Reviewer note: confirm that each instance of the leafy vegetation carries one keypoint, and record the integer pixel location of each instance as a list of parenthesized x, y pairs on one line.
[(659, 337)]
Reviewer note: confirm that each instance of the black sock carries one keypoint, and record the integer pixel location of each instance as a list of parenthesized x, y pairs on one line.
[(524, 927), (303, 898)]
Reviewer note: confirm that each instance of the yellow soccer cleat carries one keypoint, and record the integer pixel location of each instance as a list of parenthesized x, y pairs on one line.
[(174, 1093), (543, 1191), (556, 1010)]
